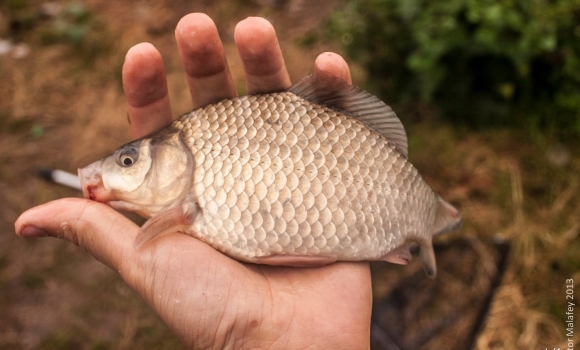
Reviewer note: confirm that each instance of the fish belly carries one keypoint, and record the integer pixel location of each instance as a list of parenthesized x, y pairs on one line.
[(275, 175)]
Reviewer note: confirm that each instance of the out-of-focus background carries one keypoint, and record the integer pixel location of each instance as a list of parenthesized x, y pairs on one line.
[(489, 92)]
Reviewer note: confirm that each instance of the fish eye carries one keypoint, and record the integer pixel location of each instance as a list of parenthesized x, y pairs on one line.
[(128, 157), (126, 160)]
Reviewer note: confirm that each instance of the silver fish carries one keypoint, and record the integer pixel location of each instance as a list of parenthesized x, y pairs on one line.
[(305, 177)]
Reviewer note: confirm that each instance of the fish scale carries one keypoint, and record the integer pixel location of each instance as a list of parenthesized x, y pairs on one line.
[(304, 177), (293, 191)]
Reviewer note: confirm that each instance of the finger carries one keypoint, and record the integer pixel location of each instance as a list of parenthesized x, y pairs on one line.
[(145, 88), (97, 228), (110, 237), (261, 56), (334, 64), (203, 58)]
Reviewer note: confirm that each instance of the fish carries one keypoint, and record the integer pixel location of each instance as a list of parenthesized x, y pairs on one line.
[(311, 175)]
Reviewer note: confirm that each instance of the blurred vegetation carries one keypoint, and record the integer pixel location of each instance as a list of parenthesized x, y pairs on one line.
[(48, 23), (488, 65), (479, 62)]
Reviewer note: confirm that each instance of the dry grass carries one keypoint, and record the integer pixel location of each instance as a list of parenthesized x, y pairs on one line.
[(54, 296), (509, 190)]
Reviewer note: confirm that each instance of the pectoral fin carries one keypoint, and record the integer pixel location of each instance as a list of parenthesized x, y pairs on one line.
[(172, 220)]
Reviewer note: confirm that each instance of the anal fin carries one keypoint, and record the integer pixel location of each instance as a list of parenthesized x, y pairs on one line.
[(428, 257), (400, 255)]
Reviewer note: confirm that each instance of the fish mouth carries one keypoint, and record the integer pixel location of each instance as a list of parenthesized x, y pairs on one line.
[(92, 185)]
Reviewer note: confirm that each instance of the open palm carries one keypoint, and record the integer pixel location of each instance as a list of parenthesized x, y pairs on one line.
[(207, 298)]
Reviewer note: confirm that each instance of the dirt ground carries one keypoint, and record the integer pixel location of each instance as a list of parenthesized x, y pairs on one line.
[(62, 106)]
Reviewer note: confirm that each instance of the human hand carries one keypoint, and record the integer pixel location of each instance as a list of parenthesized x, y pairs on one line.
[(207, 298)]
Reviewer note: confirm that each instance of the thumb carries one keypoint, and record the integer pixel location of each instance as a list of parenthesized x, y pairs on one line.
[(97, 228)]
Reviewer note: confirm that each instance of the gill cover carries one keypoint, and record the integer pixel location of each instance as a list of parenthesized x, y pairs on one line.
[(149, 175)]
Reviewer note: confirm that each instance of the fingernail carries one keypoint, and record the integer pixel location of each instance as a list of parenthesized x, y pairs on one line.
[(32, 232)]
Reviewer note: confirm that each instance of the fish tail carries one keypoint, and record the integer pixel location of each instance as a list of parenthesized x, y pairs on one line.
[(447, 218)]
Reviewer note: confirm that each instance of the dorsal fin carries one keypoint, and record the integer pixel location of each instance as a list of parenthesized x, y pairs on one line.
[(334, 92)]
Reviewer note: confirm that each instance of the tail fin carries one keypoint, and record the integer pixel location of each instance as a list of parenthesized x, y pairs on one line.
[(447, 218)]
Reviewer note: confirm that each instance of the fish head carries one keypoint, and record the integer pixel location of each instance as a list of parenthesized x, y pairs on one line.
[(144, 176)]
